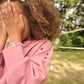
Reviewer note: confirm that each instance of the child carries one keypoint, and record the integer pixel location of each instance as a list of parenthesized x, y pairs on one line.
[(26, 58)]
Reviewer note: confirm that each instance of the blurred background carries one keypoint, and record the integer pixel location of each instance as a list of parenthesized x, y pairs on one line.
[(67, 64)]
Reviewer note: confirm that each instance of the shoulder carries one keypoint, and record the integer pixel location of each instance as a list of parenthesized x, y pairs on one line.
[(43, 50), (41, 43), (45, 42), (43, 46)]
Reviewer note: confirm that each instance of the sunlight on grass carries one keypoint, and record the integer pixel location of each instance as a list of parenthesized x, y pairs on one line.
[(66, 68)]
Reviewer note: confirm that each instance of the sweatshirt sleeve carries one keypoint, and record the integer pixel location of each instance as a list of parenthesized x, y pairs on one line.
[(1, 64), (27, 69)]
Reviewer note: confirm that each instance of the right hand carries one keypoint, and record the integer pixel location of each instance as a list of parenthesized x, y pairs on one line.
[(3, 33)]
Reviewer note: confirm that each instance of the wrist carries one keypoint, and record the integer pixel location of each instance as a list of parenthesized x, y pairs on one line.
[(14, 44), (3, 38), (2, 43), (14, 39)]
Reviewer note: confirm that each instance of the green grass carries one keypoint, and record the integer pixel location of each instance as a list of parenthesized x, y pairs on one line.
[(8, 39), (66, 68)]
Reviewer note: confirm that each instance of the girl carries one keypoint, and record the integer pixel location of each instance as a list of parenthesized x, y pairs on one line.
[(26, 58)]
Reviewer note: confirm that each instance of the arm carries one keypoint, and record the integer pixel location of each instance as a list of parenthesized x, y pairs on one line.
[(2, 46), (32, 70), (1, 67)]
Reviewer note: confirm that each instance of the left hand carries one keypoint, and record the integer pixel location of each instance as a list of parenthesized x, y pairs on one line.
[(13, 21)]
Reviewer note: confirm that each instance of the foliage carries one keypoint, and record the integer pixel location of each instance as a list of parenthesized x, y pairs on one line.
[(72, 12), (72, 40)]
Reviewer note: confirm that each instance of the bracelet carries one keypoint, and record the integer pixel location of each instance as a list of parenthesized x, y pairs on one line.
[(15, 44)]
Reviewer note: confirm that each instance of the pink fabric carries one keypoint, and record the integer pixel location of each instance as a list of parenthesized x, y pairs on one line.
[(26, 65)]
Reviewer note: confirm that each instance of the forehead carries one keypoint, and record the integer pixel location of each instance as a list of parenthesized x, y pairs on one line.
[(18, 6)]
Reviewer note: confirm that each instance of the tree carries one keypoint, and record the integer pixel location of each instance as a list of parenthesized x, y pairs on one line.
[(72, 12)]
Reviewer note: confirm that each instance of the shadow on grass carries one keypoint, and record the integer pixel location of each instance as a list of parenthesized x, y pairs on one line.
[(66, 68)]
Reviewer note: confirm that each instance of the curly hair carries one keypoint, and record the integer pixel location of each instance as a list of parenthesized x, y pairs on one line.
[(43, 17)]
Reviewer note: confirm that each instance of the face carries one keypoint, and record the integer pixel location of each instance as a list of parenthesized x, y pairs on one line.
[(26, 33)]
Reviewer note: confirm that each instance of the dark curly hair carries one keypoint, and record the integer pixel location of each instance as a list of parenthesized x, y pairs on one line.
[(44, 18)]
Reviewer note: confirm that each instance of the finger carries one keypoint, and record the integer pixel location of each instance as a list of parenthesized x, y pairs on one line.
[(5, 5), (6, 12), (1, 18), (3, 14), (9, 8), (14, 10)]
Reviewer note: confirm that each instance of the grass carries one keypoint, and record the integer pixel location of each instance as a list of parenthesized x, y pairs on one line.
[(66, 68)]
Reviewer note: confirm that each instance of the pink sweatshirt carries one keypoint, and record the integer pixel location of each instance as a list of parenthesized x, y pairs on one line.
[(26, 65)]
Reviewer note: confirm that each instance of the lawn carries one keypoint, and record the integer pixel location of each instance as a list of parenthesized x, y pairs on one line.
[(66, 68)]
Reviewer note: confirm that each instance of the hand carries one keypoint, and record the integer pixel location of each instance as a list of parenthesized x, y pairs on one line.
[(13, 22), (3, 33)]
